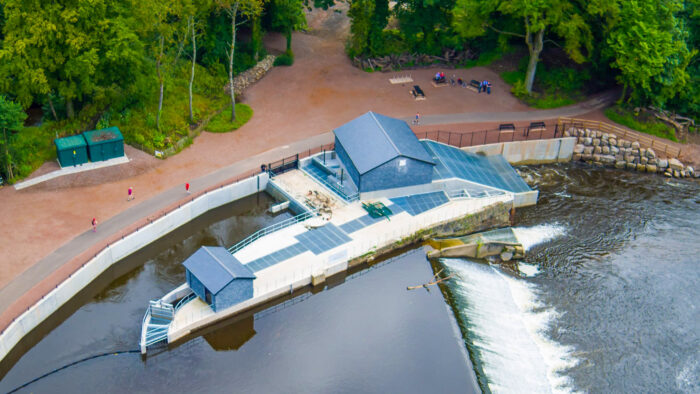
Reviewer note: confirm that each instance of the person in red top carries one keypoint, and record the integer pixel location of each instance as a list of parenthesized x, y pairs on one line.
[(187, 187), (94, 225)]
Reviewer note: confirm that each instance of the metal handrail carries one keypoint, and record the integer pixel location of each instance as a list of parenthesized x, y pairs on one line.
[(271, 229), (185, 300)]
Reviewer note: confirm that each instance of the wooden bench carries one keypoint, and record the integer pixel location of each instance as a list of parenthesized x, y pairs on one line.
[(535, 126), (474, 85), (439, 83), (418, 93)]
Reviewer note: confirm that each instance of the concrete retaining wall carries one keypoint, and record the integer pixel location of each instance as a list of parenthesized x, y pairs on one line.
[(119, 250), (530, 152)]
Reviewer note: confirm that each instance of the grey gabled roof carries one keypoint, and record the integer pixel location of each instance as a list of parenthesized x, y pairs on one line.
[(215, 267), (373, 139)]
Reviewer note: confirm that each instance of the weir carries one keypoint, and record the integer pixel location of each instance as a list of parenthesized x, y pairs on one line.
[(333, 230)]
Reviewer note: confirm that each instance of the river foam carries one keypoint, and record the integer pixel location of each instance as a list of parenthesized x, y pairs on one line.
[(507, 327)]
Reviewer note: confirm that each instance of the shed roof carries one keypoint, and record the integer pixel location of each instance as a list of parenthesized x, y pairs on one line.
[(215, 267), (373, 139), (72, 142), (95, 137)]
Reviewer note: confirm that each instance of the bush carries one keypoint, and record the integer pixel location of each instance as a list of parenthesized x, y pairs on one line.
[(628, 118), (285, 59), (221, 122)]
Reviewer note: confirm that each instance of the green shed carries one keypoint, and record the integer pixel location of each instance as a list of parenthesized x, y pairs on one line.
[(71, 151), (104, 144)]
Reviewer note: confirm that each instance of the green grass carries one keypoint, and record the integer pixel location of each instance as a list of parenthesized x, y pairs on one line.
[(560, 87), (628, 118), (486, 58), (221, 122)]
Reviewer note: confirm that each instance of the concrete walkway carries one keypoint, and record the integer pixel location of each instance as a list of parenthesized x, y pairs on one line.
[(22, 292), (71, 170)]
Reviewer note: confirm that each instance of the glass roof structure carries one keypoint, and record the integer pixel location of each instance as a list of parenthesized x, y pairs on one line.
[(419, 203), (493, 171)]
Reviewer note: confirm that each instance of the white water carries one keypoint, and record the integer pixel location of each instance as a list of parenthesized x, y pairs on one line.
[(507, 330), (531, 236)]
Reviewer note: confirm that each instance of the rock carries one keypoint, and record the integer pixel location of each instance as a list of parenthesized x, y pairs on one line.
[(635, 152), (619, 157), (690, 170), (567, 133), (606, 150), (579, 148), (630, 166), (588, 133), (608, 160), (626, 143), (668, 173), (662, 163), (683, 173), (588, 141), (587, 157), (598, 164), (676, 174), (596, 142), (651, 154), (598, 149), (635, 145), (612, 142), (629, 158), (620, 164), (675, 164), (643, 160), (576, 157), (614, 150), (642, 152), (641, 167), (506, 256), (651, 168), (588, 150), (596, 157)]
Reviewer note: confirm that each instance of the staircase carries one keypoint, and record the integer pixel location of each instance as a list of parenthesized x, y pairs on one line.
[(155, 323)]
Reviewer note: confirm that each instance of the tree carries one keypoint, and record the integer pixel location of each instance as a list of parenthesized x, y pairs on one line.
[(562, 17), (288, 16), (236, 9), (11, 119), (360, 13), (425, 23), (77, 50), (648, 46)]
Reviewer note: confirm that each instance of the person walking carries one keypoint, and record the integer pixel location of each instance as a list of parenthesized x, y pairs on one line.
[(131, 194), (417, 120), (187, 187), (94, 225)]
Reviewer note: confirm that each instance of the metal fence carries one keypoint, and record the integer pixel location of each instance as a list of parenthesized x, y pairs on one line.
[(534, 131), (271, 229)]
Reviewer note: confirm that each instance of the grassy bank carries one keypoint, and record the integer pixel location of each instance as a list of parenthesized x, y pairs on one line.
[(642, 123)]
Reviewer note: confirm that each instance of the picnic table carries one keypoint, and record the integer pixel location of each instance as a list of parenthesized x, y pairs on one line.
[(418, 93)]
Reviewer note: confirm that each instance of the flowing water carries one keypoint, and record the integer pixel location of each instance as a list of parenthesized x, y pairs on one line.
[(365, 333), (606, 300)]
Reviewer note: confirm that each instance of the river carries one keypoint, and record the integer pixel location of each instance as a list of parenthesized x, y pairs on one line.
[(604, 302)]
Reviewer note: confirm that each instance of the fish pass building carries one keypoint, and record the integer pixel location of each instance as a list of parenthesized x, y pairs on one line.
[(218, 278), (379, 153)]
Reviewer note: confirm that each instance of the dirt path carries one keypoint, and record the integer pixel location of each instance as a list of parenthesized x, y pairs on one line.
[(319, 92)]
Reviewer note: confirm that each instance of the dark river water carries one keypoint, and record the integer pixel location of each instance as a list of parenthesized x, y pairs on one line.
[(363, 333), (607, 299), (605, 302)]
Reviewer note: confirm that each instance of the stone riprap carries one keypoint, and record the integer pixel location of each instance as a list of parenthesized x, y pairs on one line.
[(606, 150)]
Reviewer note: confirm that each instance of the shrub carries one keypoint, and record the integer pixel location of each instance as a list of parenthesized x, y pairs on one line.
[(285, 59), (637, 122), (221, 122)]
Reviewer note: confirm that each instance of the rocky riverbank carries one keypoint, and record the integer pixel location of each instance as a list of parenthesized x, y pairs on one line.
[(606, 150)]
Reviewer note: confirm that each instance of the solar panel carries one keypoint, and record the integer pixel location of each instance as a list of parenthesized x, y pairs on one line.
[(419, 203), (492, 171), (276, 257), (323, 238)]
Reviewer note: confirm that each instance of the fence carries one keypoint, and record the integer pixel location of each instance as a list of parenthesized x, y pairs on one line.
[(271, 229), (644, 140), (535, 131)]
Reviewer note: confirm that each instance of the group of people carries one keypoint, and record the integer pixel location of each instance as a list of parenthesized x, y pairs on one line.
[(485, 86), (440, 77)]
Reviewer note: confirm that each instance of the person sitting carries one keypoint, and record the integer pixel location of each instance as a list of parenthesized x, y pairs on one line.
[(437, 76), (460, 82)]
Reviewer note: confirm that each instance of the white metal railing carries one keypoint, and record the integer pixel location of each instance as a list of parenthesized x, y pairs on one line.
[(271, 229), (185, 300)]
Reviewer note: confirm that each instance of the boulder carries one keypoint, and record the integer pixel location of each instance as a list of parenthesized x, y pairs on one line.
[(668, 173), (588, 133), (614, 150), (608, 159), (676, 174), (612, 142), (606, 150), (651, 168), (576, 157), (641, 167), (662, 163), (579, 148), (675, 164), (683, 173), (597, 149), (690, 170), (629, 158), (598, 164), (651, 154), (626, 144), (567, 133), (630, 166), (620, 164), (635, 145), (635, 152), (596, 157), (587, 157), (643, 160), (596, 141), (588, 141), (588, 150)]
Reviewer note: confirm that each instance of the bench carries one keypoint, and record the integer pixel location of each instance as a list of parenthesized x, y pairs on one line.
[(417, 93), (474, 85), (506, 128), (438, 83), (535, 126)]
